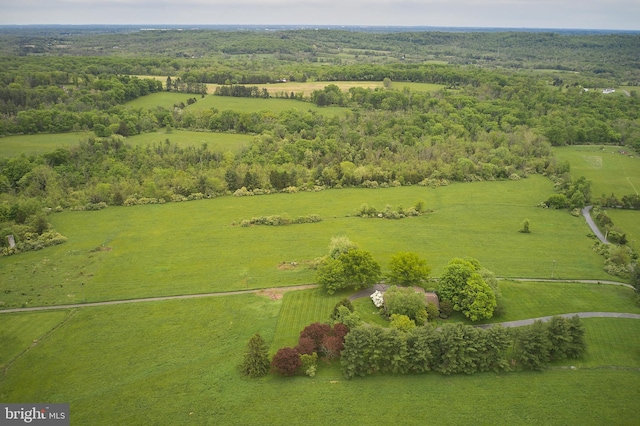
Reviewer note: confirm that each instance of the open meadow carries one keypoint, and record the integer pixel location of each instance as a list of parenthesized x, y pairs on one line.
[(611, 170), (306, 88), (199, 247), (176, 362), (607, 167), (11, 146), (221, 103)]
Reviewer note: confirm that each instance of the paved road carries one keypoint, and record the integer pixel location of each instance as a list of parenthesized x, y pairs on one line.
[(587, 215), (530, 321)]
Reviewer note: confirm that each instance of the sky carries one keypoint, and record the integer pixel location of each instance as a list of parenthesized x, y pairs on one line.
[(584, 14)]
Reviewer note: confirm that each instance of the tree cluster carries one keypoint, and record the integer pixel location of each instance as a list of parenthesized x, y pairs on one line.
[(541, 343), (353, 269), (240, 91), (463, 284), (458, 348), (317, 339), (629, 202)]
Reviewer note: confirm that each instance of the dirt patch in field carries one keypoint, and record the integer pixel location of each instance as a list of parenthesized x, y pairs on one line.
[(277, 293), (101, 248), (287, 266), (272, 294)]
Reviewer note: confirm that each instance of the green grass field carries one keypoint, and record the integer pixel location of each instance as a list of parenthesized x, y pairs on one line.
[(175, 362), (629, 222), (257, 105), (12, 146), (215, 141), (607, 169), (610, 172), (184, 248), (291, 86), (299, 309), (535, 299), (169, 99)]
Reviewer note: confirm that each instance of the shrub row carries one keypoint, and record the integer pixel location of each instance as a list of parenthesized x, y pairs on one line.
[(390, 212), (34, 241), (278, 220)]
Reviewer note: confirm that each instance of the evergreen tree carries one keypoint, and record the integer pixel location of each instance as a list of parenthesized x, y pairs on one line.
[(559, 336), (577, 345), (533, 347), (256, 359)]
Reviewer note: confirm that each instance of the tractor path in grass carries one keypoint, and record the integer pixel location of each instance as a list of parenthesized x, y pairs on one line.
[(160, 298), (267, 291)]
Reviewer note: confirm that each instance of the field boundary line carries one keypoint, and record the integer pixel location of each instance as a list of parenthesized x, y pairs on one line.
[(155, 299), (255, 291), (37, 341)]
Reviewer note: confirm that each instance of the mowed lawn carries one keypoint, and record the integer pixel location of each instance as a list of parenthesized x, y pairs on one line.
[(175, 362), (198, 246), (520, 300)]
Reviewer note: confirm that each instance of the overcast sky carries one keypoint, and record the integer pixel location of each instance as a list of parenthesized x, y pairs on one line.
[(590, 14)]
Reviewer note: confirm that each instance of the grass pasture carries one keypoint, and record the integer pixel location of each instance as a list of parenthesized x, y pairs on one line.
[(249, 105), (611, 342), (233, 142), (607, 169), (610, 172), (21, 332), (12, 146), (306, 88), (186, 248), (629, 222), (175, 362)]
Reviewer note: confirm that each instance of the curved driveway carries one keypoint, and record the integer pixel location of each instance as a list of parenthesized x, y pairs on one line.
[(530, 321), (586, 212)]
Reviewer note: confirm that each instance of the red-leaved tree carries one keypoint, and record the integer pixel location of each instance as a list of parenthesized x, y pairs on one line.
[(306, 345), (332, 346), (316, 332), (286, 362)]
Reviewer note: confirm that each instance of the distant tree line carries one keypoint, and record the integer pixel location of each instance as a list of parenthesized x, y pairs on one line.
[(242, 91)]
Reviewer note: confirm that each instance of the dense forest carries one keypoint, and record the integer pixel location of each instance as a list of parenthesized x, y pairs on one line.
[(496, 117)]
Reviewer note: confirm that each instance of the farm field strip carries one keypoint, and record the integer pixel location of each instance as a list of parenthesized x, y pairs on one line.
[(12, 146), (150, 357), (149, 256), (606, 167), (308, 87)]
